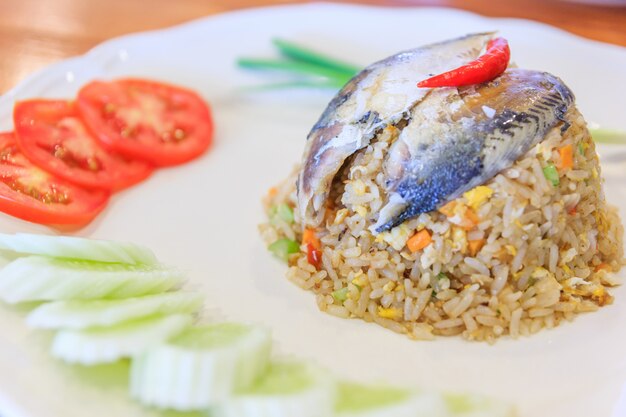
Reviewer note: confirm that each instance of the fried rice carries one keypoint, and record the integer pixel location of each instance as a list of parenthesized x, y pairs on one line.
[(535, 245)]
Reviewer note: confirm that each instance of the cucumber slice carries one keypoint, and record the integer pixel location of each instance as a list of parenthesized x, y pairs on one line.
[(108, 344), (287, 389), (472, 405), (77, 248), (39, 278), (357, 400), (78, 314), (200, 367)]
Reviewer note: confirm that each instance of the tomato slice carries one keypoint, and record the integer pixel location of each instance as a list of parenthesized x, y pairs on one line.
[(32, 194), (147, 120), (53, 136)]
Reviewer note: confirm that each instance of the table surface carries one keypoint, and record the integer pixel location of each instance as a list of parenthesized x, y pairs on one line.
[(35, 33)]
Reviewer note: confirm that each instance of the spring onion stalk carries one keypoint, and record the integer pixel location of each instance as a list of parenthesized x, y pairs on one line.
[(302, 54), (305, 84), (608, 136), (326, 72), (295, 67)]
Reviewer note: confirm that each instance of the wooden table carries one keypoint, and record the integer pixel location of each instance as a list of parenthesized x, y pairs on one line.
[(35, 33)]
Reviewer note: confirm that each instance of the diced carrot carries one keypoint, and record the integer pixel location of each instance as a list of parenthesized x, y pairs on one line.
[(272, 191), (567, 157), (470, 219), (309, 237), (475, 246), (603, 266), (448, 209), (419, 240), (572, 211)]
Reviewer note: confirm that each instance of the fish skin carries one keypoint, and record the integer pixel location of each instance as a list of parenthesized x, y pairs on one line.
[(381, 95), (442, 153)]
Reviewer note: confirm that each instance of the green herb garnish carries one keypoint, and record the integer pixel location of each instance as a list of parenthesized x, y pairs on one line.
[(340, 295), (334, 78), (551, 174), (311, 68), (285, 212), (303, 54), (282, 248), (608, 136)]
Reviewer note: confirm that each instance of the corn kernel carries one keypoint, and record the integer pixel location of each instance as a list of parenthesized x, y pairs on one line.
[(389, 313), (360, 279)]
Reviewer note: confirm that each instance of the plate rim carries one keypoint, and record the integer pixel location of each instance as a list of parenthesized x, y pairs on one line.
[(91, 56)]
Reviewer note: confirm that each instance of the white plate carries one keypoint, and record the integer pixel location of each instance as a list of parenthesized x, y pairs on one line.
[(203, 216)]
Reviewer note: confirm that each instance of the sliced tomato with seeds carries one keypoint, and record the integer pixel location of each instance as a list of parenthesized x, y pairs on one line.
[(53, 136), (32, 194), (155, 122)]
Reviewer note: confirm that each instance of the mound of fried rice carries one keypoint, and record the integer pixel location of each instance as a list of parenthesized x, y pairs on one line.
[(532, 247)]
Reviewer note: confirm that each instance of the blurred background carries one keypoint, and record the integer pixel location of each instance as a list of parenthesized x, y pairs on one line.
[(35, 33)]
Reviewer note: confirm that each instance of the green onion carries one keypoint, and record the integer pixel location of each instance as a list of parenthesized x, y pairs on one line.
[(271, 212), (318, 70), (302, 68), (551, 174), (302, 54), (441, 275), (581, 150), (293, 84), (282, 248), (340, 295), (608, 136), (285, 212)]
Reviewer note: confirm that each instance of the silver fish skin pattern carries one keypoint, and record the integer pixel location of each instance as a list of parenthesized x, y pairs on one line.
[(460, 138), (381, 95)]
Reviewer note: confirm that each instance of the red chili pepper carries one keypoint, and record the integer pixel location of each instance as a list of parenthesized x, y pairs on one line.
[(487, 67), (313, 255)]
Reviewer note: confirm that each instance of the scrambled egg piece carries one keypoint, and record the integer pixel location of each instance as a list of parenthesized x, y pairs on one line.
[(396, 237), (477, 196)]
